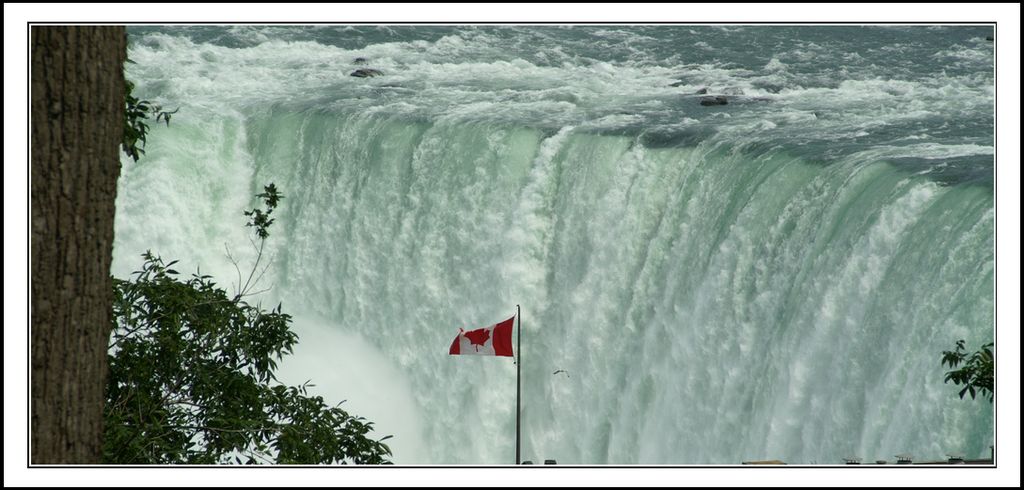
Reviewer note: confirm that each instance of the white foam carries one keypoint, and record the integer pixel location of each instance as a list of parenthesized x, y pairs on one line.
[(346, 368), (930, 151), (775, 65), (475, 76)]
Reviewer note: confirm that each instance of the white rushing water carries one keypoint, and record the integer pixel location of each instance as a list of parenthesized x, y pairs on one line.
[(709, 303)]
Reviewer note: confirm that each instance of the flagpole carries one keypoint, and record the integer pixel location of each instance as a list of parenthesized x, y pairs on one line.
[(519, 365)]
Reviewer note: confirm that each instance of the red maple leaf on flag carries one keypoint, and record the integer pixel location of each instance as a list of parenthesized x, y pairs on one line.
[(478, 338)]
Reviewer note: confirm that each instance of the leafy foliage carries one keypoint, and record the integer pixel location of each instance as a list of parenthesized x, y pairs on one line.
[(260, 219), (192, 380), (976, 374), (136, 113)]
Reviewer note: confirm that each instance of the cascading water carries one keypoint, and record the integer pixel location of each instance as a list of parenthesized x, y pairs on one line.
[(771, 279)]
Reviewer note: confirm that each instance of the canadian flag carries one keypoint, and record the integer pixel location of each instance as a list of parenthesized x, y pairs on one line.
[(495, 340)]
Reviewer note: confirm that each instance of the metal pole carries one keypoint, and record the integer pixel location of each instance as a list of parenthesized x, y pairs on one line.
[(519, 365)]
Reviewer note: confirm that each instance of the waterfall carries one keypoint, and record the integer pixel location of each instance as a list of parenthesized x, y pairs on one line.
[(709, 306)]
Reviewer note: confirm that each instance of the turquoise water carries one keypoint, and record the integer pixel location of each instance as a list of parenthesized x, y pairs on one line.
[(770, 279)]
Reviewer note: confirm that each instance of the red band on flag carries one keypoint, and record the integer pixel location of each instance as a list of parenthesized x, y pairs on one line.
[(495, 340)]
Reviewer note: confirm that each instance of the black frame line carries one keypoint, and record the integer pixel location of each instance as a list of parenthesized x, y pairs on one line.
[(992, 465)]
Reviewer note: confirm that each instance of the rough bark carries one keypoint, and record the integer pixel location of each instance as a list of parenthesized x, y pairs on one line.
[(77, 121)]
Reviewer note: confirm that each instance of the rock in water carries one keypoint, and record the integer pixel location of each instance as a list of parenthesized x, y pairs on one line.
[(366, 72), (360, 61), (702, 91), (771, 88), (716, 100)]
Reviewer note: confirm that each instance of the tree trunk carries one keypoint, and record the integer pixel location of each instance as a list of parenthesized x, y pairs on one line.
[(77, 121)]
